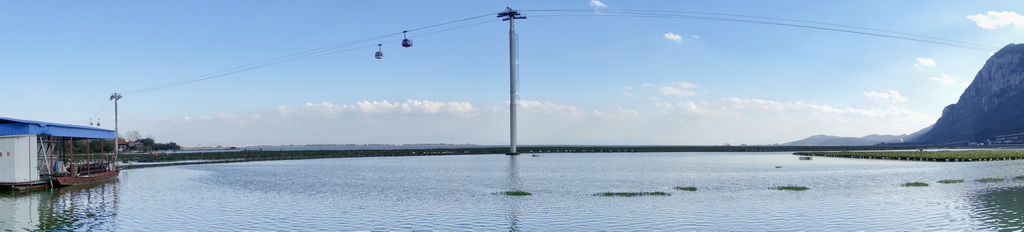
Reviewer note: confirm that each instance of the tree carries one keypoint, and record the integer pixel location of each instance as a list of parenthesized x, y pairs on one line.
[(132, 135), (173, 146), (147, 142)]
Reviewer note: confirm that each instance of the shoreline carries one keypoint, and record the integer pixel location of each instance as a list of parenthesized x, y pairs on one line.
[(929, 156), (173, 159)]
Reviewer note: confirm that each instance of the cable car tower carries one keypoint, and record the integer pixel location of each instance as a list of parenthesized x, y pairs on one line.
[(511, 16), (114, 97)]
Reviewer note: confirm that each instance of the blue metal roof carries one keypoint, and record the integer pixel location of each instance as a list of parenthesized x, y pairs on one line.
[(10, 126)]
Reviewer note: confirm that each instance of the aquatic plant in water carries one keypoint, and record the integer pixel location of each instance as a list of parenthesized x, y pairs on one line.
[(792, 188), (951, 181), (632, 194), (915, 184), (515, 193), (990, 179), (686, 188)]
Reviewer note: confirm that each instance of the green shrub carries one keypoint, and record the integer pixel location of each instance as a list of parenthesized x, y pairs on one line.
[(990, 179), (632, 194), (915, 184), (792, 188), (686, 188), (515, 193)]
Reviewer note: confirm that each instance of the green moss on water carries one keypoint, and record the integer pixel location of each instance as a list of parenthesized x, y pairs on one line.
[(915, 184), (1019, 177), (632, 194), (990, 180), (951, 181), (686, 188), (515, 193), (791, 188)]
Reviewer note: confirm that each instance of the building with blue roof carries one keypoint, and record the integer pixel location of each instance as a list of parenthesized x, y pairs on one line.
[(24, 157)]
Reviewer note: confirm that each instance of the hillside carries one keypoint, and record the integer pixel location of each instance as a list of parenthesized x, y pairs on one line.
[(991, 106)]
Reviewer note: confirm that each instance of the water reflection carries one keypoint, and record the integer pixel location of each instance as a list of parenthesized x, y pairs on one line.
[(453, 193), (1002, 209), (82, 207), (513, 203)]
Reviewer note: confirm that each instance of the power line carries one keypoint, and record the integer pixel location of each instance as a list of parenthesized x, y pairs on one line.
[(826, 26)]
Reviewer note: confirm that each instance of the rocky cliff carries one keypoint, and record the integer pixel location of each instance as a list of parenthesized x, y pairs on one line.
[(991, 106)]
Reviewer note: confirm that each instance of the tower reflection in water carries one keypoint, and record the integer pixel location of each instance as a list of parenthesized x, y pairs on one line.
[(513, 204), (90, 206)]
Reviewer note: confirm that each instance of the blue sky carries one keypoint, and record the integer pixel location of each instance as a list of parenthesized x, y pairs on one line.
[(586, 77)]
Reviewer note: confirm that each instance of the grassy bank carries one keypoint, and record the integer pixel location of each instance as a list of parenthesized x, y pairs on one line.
[(939, 156)]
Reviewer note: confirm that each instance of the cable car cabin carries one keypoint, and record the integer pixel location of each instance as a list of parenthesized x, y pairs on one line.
[(406, 43), (379, 55)]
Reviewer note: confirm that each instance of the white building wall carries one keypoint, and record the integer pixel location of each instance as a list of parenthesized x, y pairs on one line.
[(18, 159)]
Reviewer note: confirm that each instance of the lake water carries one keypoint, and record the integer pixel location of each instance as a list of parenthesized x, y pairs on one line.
[(456, 193)]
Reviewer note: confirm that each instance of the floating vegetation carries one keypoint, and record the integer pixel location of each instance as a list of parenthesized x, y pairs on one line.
[(632, 194), (951, 181), (686, 188), (1019, 177), (990, 180), (791, 188), (515, 193), (938, 156), (917, 184)]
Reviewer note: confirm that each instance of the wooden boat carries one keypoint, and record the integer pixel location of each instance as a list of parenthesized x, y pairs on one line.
[(73, 180)]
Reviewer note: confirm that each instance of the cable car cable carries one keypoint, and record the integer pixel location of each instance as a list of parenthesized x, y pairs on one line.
[(986, 48), (953, 43), (289, 58)]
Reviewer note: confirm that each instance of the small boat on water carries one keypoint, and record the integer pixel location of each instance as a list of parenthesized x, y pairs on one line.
[(805, 158), (86, 172), (73, 180)]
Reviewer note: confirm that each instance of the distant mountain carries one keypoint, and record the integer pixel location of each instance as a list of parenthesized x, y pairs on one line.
[(993, 105), (829, 140)]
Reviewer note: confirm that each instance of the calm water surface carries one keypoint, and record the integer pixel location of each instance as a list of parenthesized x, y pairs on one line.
[(457, 193)]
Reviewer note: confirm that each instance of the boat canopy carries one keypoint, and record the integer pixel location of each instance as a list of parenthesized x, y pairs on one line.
[(10, 126)]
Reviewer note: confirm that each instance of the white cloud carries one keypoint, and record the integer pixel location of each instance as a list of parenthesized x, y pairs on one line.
[(695, 36), (687, 106), (383, 107), (994, 19), (649, 85), (597, 4), (734, 120), (950, 80), (922, 62), (674, 37), (684, 85), (741, 104), (891, 96), (672, 91)]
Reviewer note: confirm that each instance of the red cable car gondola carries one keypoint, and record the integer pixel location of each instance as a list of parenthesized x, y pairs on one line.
[(405, 41)]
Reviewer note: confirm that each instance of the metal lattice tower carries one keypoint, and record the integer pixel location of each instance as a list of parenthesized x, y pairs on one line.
[(511, 16)]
